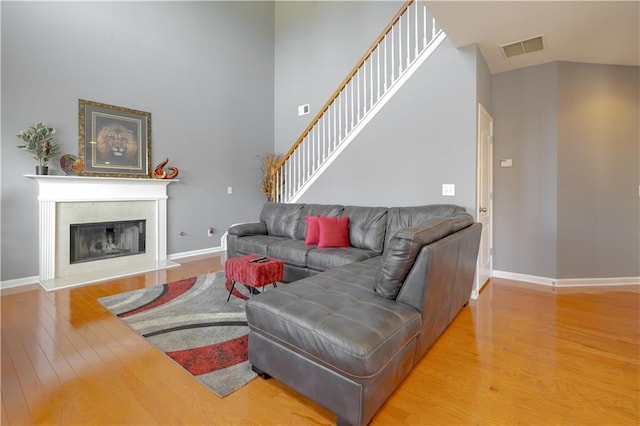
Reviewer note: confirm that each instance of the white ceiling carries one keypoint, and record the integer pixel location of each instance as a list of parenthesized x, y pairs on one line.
[(605, 32)]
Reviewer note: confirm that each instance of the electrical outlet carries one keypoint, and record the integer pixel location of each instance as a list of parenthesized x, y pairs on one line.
[(210, 232), (448, 189)]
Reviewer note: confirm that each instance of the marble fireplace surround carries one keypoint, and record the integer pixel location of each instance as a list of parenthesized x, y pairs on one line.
[(82, 199)]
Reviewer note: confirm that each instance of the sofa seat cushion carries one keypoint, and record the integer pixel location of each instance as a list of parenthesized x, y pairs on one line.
[(337, 319), (257, 244), (321, 259), (291, 252)]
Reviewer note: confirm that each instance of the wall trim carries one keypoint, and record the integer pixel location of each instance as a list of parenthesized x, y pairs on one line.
[(221, 248), (523, 277), (584, 282), (196, 252), (19, 282), (568, 282)]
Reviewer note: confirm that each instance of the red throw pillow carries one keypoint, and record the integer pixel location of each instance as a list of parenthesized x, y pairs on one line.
[(334, 231), (313, 231)]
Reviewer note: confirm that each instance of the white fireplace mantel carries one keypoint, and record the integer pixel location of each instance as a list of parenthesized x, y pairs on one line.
[(90, 188), (55, 191)]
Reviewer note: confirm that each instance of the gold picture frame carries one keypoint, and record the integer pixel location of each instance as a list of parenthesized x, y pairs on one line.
[(114, 141)]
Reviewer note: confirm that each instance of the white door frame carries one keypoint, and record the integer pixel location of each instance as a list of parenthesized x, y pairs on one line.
[(487, 231)]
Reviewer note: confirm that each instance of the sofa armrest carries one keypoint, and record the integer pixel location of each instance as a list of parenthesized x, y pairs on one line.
[(250, 228), (440, 282)]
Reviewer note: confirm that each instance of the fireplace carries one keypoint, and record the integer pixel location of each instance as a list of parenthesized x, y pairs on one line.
[(90, 242), (97, 228)]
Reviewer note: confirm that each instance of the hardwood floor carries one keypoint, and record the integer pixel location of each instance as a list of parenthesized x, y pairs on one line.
[(521, 353)]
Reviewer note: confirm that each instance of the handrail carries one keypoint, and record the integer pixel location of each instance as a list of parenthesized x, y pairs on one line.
[(342, 85)]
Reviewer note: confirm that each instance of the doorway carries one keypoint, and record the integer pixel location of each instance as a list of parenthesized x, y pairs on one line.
[(484, 199)]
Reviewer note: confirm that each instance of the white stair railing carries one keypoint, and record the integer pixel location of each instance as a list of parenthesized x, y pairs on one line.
[(402, 47)]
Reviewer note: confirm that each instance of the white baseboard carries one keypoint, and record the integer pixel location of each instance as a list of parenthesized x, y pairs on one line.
[(568, 282), (523, 277), (196, 253), (585, 282), (18, 282)]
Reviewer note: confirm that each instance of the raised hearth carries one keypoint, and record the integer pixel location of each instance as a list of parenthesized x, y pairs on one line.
[(66, 202)]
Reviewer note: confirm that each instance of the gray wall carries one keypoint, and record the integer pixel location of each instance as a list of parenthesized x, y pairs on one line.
[(525, 199), (569, 207), (317, 44), (598, 171), (204, 70), (424, 137)]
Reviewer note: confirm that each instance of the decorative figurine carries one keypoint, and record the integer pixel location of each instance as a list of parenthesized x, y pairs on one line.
[(71, 165), (160, 173)]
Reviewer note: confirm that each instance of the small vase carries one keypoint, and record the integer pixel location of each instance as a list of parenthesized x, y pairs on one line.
[(42, 170)]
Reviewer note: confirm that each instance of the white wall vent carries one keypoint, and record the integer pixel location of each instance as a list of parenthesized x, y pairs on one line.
[(523, 46)]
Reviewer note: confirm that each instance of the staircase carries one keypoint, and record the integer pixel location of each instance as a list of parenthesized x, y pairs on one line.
[(409, 39)]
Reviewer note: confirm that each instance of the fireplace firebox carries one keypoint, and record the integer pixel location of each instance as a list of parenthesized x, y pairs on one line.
[(104, 240)]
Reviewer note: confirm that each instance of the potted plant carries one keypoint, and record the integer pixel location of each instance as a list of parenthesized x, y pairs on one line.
[(38, 140)]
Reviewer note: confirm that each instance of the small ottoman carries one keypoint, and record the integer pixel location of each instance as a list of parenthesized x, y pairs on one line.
[(253, 271)]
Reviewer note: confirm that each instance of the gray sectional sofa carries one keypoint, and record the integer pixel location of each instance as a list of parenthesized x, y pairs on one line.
[(357, 319)]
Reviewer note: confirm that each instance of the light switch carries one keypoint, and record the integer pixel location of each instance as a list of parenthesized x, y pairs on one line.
[(229, 190), (507, 162), (448, 189)]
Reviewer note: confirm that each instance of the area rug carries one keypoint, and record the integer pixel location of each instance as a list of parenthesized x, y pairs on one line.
[(192, 322)]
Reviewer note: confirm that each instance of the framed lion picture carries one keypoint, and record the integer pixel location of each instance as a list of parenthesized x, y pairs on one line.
[(114, 141)]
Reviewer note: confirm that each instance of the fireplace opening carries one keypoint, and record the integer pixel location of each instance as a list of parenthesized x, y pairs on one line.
[(105, 240)]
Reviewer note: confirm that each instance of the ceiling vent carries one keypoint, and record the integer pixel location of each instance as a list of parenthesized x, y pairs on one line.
[(523, 46)]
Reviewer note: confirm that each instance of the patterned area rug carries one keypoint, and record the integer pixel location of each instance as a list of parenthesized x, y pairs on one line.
[(191, 321)]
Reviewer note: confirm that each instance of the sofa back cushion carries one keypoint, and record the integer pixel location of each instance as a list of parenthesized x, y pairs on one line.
[(403, 248), (408, 217), (316, 210), (282, 220), (366, 226)]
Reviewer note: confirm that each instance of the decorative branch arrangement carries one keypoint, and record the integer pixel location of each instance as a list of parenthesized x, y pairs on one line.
[(268, 162)]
